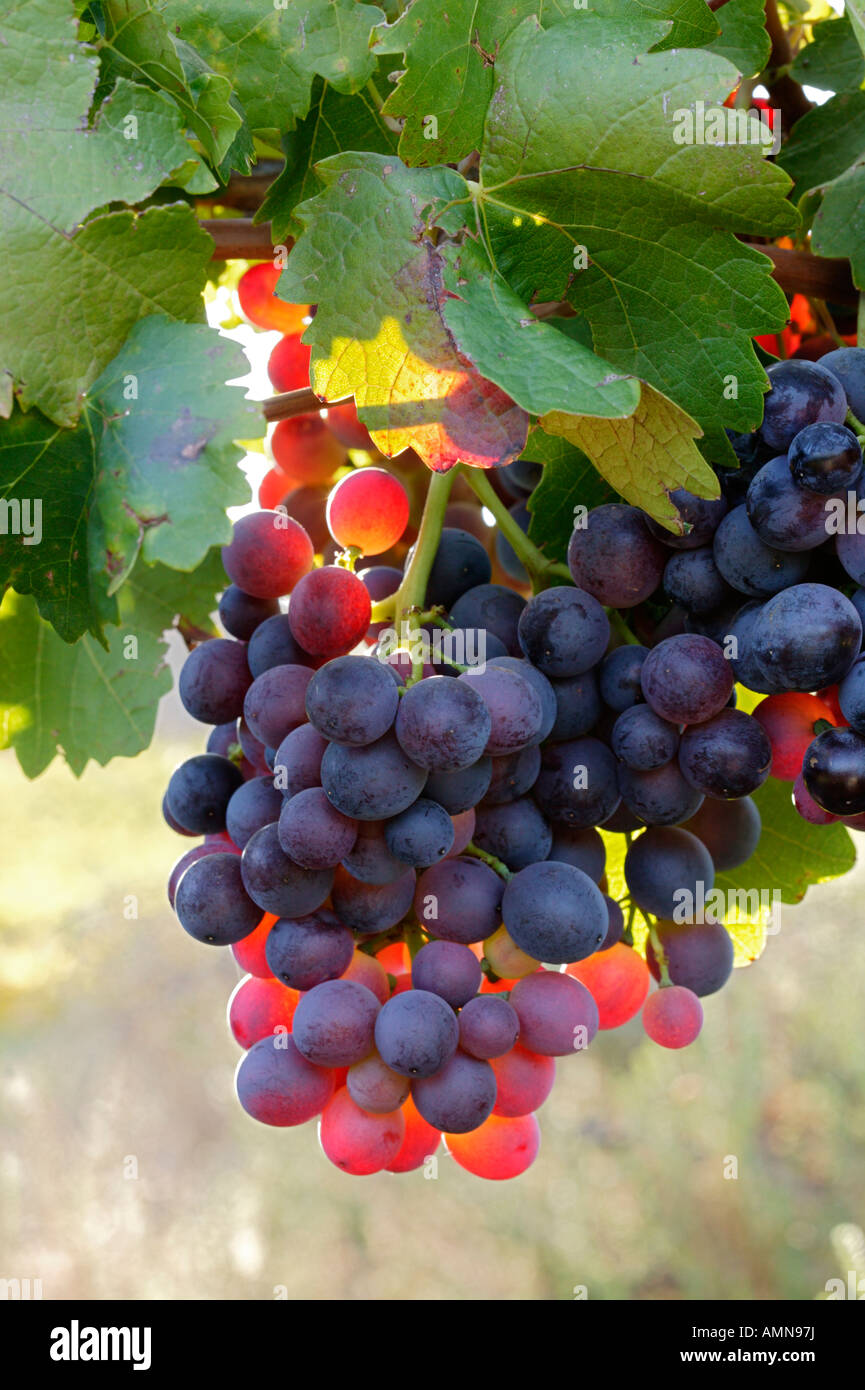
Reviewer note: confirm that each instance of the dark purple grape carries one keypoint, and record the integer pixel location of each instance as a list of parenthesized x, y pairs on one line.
[(693, 580), (380, 581), (520, 477), (278, 1086), (622, 821), (442, 724), (686, 679), (834, 771), (851, 695), (374, 782), (515, 710), (459, 900), (513, 776), (555, 912), (489, 1027), (616, 925), (214, 680), (461, 790), (563, 631), (459, 1097), (784, 515), (578, 706), (305, 951), (274, 644), (643, 740), (742, 654), (577, 783), (614, 556), (421, 835), (199, 792), (297, 764), (727, 757), (730, 830), (416, 1033), (172, 823), (619, 682), (583, 848), (848, 365), (449, 970), (663, 866), (493, 607), (370, 860), (806, 638), (660, 797), (334, 1023), (223, 739), (515, 832), (802, 393), (558, 1016), (749, 565), (826, 458), (701, 514), (542, 686), (275, 703), (460, 563), (505, 554), (212, 903), (372, 907), (353, 699), (699, 955), (256, 804), (276, 883), (240, 613), (314, 833)]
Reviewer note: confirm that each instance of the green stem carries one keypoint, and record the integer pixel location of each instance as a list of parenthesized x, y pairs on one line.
[(628, 933), (860, 322), (376, 95), (618, 624), (501, 869), (540, 569), (414, 939), (410, 597), (855, 425)]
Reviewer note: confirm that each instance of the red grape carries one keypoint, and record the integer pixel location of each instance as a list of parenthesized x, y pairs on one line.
[(249, 953), (368, 509), (356, 1141), (366, 970), (273, 489), (618, 979), (278, 1086), (306, 451), (788, 719), (420, 1142), (523, 1081), (256, 293), (499, 1148), (347, 428), (288, 364), (258, 1007), (329, 611), (268, 554), (673, 1016)]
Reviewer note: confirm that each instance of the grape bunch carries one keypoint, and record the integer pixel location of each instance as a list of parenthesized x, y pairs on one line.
[(401, 804)]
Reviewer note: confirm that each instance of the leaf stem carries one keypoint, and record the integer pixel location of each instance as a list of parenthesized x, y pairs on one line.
[(408, 601), (618, 624)]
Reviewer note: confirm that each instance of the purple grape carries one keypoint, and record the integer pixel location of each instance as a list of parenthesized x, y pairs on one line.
[(834, 772), (420, 835), (660, 797), (374, 782), (313, 833), (785, 515), (806, 638), (730, 830), (459, 900), (616, 927), (305, 951), (513, 775), (619, 681), (554, 912), (557, 1014), (539, 683), (212, 903), (614, 556), (276, 883), (686, 679), (459, 1097), (334, 1023), (222, 739), (214, 680), (449, 970), (256, 804), (370, 860), (460, 563), (275, 703), (588, 763), (826, 458), (515, 832), (802, 393), (663, 866), (642, 739), (702, 514), (493, 607), (489, 1027), (297, 765), (443, 724), (372, 907), (353, 699), (240, 613), (199, 792), (727, 757), (514, 707), (461, 790), (274, 644), (578, 706), (748, 564), (693, 580), (564, 632), (416, 1033), (583, 848)]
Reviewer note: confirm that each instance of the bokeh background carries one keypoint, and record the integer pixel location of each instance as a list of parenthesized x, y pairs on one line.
[(127, 1169)]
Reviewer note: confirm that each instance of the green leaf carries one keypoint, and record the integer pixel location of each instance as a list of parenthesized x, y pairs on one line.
[(838, 228), (115, 270), (855, 12), (672, 296), (694, 24), (541, 368), (451, 53), (155, 598), (833, 60), (137, 44), (271, 53), (151, 472), (386, 342), (79, 700), (569, 480), (167, 469), (645, 457), (743, 40), (335, 123), (825, 142)]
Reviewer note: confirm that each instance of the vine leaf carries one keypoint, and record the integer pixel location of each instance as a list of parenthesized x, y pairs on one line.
[(825, 142), (271, 53), (155, 598), (743, 40), (388, 344), (83, 700), (569, 480), (541, 368), (592, 196), (833, 59), (335, 123), (644, 457), (150, 467)]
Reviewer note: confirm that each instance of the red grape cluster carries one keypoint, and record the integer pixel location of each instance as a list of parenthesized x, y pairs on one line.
[(400, 802)]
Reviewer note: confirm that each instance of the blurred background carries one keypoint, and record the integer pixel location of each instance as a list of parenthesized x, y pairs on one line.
[(128, 1170)]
